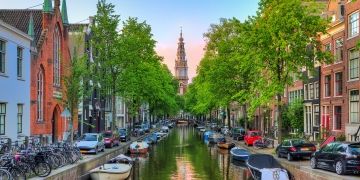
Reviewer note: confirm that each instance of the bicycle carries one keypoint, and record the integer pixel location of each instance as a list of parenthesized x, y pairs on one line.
[(263, 143)]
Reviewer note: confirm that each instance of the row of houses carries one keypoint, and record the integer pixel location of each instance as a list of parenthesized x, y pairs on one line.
[(36, 46), (330, 92)]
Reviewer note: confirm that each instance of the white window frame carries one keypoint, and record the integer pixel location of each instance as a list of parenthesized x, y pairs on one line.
[(350, 35), (305, 92), (40, 96), (57, 58), (342, 82), (3, 54), (316, 90), (20, 120), (339, 47), (314, 105), (19, 61), (325, 86), (3, 117), (358, 112), (358, 65)]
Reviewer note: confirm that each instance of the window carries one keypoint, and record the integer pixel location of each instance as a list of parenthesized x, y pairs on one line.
[(316, 89), (40, 95), (353, 24), (338, 83), (311, 91), (337, 117), (19, 61), (328, 47), (2, 56), (339, 50), (2, 118), (316, 115), (327, 86), (308, 119), (57, 52), (305, 92), (20, 118), (354, 106), (353, 64)]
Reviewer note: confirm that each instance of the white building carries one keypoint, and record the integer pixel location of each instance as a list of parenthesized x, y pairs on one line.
[(14, 82)]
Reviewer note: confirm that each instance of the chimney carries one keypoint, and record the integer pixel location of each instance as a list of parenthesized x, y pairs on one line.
[(341, 10)]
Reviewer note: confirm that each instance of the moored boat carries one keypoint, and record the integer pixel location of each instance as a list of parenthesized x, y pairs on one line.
[(116, 169), (265, 166), (225, 145), (215, 138), (139, 147), (239, 154)]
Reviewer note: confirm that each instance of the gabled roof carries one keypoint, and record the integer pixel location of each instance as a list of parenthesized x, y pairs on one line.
[(20, 18)]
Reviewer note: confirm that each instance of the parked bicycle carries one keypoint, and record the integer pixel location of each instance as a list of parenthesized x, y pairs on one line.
[(263, 143)]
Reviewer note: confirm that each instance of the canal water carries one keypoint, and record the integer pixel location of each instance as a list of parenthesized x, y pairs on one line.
[(183, 155)]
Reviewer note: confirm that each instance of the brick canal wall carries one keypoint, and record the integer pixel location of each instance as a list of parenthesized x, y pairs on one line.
[(81, 168)]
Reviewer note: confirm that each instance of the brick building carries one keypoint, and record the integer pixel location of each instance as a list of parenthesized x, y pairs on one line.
[(50, 56), (351, 56)]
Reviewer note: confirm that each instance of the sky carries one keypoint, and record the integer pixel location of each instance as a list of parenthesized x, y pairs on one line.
[(165, 17)]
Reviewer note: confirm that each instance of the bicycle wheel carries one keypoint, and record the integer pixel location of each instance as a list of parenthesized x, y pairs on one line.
[(5, 175), (42, 169), (257, 144), (17, 173)]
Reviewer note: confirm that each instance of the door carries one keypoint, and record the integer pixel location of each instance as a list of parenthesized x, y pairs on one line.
[(285, 147), (54, 121), (338, 151), (325, 121), (325, 154)]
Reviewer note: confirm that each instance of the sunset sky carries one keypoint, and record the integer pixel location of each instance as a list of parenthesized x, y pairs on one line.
[(165, 18)]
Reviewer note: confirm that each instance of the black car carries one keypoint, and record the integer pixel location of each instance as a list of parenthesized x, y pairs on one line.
[(124, 134), (295, 148), (340, 157)]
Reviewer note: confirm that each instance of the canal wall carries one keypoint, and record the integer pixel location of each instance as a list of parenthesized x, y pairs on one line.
[(75, 171)]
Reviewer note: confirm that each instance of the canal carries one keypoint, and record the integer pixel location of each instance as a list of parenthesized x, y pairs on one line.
[(183, 155)]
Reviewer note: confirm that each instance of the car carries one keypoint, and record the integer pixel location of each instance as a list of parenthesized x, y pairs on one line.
[(146, 128), (111, 139), (238, 133), (139, 130), (292, 148), (124, 134), (251, 137), (341, 157), (91, 143)]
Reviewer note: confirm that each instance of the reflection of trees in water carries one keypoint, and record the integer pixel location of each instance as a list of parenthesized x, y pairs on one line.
[(184, 152)]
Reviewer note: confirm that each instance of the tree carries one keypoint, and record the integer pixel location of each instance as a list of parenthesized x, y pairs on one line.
[(105, 42), (284, 41), (77, 73)]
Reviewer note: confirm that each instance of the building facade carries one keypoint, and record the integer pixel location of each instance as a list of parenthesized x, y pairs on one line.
[(312, 102), (49, 61), (181, 68), (15, 47), (351, 61)]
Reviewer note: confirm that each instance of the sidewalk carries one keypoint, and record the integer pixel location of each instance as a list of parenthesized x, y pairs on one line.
[(300, 169)]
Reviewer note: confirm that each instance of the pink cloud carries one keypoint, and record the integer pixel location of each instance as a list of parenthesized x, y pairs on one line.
[(194, 53)]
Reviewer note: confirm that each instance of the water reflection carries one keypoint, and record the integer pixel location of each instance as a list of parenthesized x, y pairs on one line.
[(183, 155)]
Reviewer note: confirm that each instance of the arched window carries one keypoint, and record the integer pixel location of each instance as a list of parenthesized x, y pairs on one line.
[(57, 51), (40, 96)]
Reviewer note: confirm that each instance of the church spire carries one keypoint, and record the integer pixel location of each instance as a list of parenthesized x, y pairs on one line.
[(31, 26), (47, 7), (64, 15), (181, 68)]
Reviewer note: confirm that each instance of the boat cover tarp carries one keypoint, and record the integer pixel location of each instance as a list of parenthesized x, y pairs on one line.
[(239, 151), (261, 161)]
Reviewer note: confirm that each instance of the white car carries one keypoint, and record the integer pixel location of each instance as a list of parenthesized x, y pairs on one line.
[(91, 143)]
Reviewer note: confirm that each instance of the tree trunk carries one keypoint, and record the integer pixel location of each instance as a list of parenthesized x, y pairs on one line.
[(245, 118), (228, 116), (113, 103), (279, 109)]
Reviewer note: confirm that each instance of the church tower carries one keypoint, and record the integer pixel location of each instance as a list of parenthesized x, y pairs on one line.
[(181, 68)]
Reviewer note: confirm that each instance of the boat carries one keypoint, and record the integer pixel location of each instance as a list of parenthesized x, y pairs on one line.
[(264, 166), (207, 134), (239, 154), (225, 145), (115, 169), (164, 129), (139, 147), (215, 138)]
